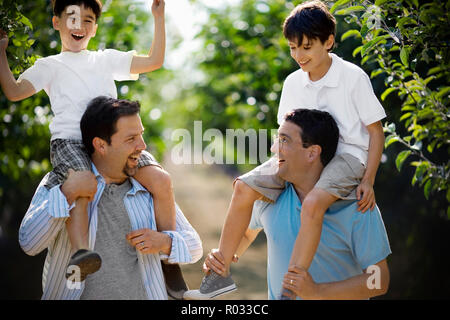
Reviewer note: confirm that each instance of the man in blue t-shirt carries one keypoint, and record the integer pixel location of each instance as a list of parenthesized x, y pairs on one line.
[(350, 261)]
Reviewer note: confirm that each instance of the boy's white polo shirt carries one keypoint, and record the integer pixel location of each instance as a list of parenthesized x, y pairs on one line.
[(72, 79), (346, 93)]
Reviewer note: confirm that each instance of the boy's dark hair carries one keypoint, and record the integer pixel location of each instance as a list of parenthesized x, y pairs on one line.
[(311, 19), (60, 5), (317, 127), (101, 116)]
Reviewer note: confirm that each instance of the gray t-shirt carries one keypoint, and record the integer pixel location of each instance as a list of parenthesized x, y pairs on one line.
[(119, 278)]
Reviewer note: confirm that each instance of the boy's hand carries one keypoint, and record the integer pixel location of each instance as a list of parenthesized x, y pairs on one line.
[(368, 196), (79, 184), (3, 40), (158, 8), (214, 261)]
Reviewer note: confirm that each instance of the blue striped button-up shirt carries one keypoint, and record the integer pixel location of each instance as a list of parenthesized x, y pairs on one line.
[(43, 227)]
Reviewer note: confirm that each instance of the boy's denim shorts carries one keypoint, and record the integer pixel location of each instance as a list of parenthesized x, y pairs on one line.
[(340, 177), (68, 154)]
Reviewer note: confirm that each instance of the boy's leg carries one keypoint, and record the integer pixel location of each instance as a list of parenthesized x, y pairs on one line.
[(157, 181), (313, 209), (77, 225)]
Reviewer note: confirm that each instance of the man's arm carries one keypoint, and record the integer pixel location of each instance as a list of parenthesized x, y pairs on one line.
[(215, 261), (363, 286), (155, 58), (13, 90), (180, 246)]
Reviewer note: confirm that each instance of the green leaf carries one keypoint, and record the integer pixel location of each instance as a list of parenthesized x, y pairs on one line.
[(26, 22), (351, 33), (387, 92), (338, 4), (369, 45), (356, 51), (348, 10), (401, 157), (380, 2), (404, 56), (390, 140)]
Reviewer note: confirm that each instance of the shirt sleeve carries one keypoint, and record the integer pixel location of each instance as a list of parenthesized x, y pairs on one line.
[(258, 208), (368, 106), (119, 64), (39, 75), (370, 243), (44, 219), (186, 244)]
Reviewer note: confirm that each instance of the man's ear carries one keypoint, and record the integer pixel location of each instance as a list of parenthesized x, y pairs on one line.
[(99, 145), (55, 22), (314, 152)]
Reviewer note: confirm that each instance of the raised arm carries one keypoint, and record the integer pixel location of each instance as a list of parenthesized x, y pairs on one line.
[(13, 90), (155, 58)]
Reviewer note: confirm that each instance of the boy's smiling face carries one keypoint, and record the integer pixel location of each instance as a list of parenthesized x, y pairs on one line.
[(312, 55), (75, 28)]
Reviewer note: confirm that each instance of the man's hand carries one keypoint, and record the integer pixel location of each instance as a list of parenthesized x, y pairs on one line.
[(300, 283), (149, 241), (368, 196), (3, 40), (79, 184), (214, 261), (158, 8)]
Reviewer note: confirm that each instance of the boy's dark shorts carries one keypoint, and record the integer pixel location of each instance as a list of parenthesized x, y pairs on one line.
[(68, 154)]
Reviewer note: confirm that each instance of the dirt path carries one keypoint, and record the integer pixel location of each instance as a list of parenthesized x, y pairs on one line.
[(203, 193)]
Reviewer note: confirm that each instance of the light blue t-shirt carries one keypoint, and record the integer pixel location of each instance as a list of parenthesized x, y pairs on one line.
[(350, 240)]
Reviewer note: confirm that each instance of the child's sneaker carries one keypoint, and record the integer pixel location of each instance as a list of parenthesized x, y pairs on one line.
[(86, 260), (213, 285), (175, 284)]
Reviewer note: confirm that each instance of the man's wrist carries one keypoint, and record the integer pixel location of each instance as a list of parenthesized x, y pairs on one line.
[(167, 244)]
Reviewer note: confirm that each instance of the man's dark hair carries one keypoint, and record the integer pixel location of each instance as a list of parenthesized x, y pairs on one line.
[(60, 5), (100, 119), (311, 19), (317, 127)]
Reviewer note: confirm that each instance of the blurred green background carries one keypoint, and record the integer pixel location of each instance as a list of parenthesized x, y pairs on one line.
[(225, 65)]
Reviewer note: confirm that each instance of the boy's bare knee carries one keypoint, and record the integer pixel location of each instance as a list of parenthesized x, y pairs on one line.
[(311, 207), (244, 191), (156, 179)]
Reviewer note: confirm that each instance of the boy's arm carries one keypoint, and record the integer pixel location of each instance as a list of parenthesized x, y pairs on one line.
[(155, 58), (376, 146), (13, 90), (357, 287)]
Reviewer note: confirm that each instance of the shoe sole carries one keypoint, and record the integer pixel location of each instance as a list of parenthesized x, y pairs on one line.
[(205, 296), (88, 265)]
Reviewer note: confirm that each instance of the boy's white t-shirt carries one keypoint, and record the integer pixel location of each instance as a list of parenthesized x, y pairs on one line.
[(72, 79), (346, 93)]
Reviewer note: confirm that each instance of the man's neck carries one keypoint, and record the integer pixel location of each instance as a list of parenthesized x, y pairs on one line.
[(105, 171), (303, 184)]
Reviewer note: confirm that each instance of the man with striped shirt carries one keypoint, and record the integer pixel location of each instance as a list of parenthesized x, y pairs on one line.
[(122, 226)]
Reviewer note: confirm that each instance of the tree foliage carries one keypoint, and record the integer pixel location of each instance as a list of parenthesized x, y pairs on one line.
[(410, 40)]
